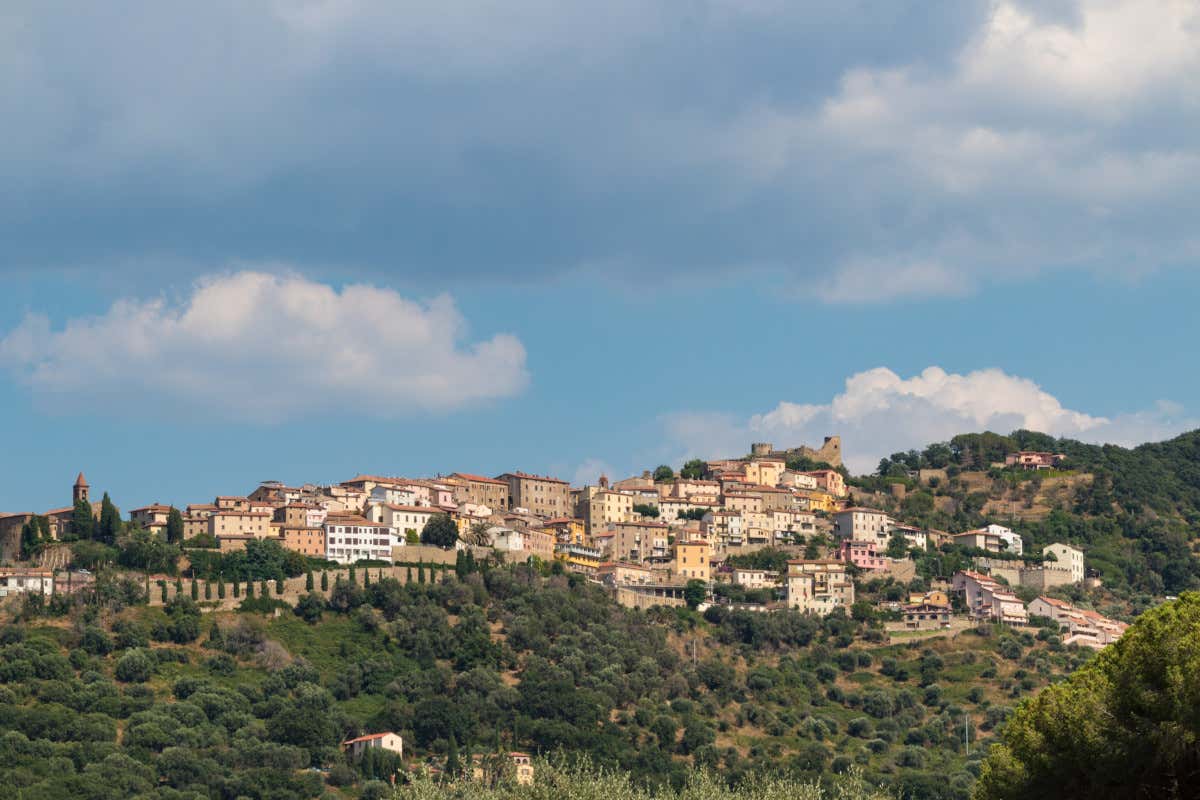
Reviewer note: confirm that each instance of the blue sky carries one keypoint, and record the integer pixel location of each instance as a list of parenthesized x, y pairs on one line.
[(303, 240)]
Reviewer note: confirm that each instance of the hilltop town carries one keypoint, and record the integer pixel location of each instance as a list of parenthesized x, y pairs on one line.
[(761, 612), (662, 538)]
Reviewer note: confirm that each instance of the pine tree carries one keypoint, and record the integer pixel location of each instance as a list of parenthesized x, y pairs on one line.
[(174, 526), (195, 590), (110, 521), (324, 580), (83, 525), (308, 581)]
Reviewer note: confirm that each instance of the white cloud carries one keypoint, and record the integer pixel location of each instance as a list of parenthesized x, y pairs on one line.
[(589, 471), (265, 346), (880, 413)]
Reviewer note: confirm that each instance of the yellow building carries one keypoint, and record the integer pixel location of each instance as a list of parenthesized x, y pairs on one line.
[(820, 501), (690, 560), (766, 472)]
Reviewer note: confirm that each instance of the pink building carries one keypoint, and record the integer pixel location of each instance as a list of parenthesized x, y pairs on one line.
[(861, 554)]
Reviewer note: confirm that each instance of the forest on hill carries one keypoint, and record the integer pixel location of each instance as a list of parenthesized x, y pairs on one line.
[(106, 697), (1134, 511)]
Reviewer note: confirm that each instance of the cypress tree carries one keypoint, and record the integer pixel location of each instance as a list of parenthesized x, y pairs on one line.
[(408, 575), (352, 574), (174, 526), (453, 767), (308, 581), (83, 525), (237, 589), (366, 578), (195, 590), (324, 580), (263, 591), (279, 586), (221, 589), (421, 572), (178, 586), (208, 590), (110, 521), (216, 639), (163, 586)]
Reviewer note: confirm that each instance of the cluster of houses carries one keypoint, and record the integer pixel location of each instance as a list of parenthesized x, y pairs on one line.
[(480, 768), (646, 538)]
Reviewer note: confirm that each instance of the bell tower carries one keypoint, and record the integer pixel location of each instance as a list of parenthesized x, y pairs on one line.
[(81, 489)]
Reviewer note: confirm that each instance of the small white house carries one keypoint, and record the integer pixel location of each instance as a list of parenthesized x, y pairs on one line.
[(382, 741)]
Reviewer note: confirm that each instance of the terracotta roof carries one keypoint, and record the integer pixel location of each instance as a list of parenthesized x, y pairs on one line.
[(81, 481), (352, 519), (370, 737), (478, 478), (423, 509), (528, 476)]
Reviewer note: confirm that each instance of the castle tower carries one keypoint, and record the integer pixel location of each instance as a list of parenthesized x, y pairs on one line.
[(81, 489)]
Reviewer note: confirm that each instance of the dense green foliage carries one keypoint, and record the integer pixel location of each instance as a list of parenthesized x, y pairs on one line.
[(1124, 726), (583, 782), (229, 705), (440, 531)]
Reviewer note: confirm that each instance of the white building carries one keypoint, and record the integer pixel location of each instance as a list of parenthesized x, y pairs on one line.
[(1066, 558), (351, 538), (818, 586), (862, 524), (402, 518), (994, 538), (26, 580), (755, 578), (375, 741)]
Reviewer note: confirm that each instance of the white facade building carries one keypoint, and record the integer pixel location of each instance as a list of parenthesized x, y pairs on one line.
[(352, 538)]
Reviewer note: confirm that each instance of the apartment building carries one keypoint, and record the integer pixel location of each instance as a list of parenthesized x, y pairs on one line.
[(690, 560), (233, 522), (764, 471), (350, 538), (818, 586), (862, 554), (306, 541), (604, 507), (1066, 558), (829, 480), (994, 538), (480, 490), (863, 524), (987, 599), (540, 494)]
